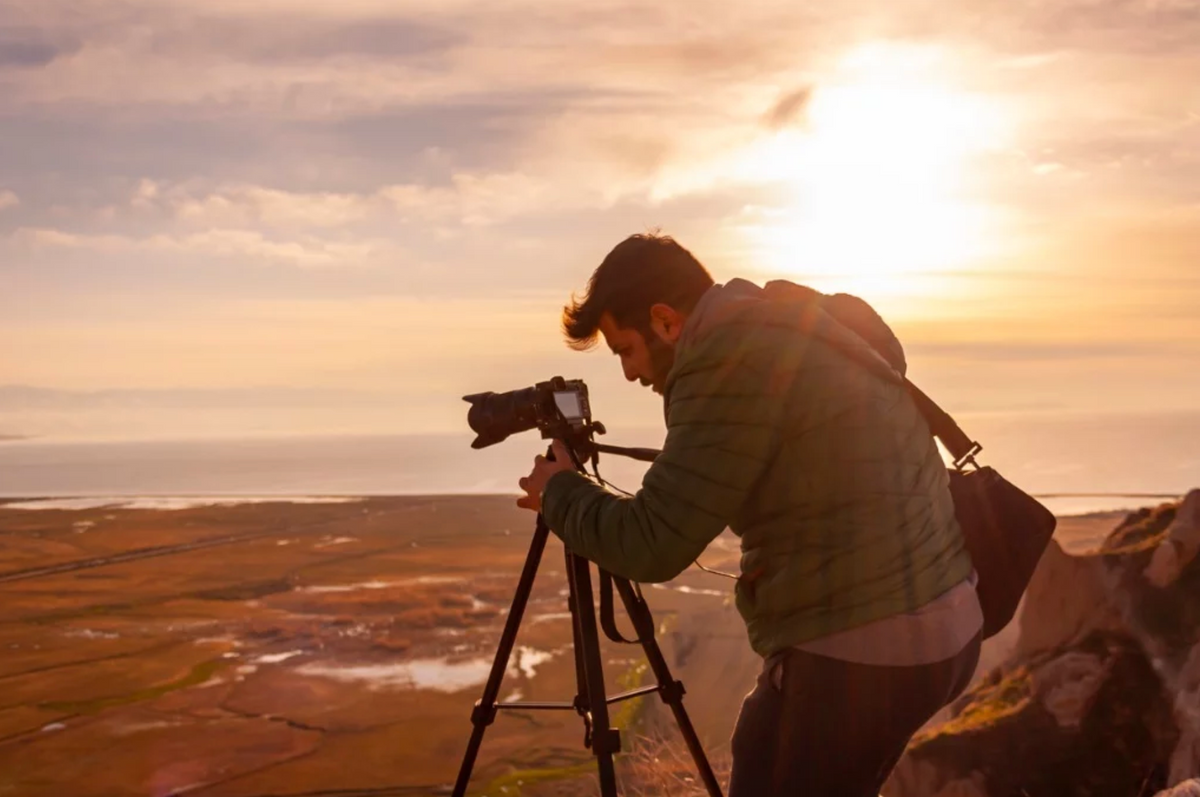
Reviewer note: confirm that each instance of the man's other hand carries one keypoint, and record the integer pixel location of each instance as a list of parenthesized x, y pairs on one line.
[(543, 469)]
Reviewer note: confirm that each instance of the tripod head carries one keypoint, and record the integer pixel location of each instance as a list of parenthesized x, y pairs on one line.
[(583, 445)]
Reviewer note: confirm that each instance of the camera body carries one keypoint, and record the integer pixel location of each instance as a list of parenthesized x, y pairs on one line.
[(558, 408)]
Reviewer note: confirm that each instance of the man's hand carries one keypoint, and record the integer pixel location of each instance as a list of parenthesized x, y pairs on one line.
[(543, 469)]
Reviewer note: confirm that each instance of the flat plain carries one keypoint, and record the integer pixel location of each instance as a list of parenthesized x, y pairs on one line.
[(302, 648)]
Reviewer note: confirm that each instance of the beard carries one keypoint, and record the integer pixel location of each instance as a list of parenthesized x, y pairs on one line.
[(662, 359)]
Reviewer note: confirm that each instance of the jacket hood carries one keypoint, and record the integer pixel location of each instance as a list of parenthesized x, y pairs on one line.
[(846, 314)]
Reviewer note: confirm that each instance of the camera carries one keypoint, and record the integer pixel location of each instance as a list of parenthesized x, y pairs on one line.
[(559, 408)]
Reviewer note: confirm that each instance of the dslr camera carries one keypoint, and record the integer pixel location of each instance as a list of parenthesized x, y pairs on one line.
[(558, 408)]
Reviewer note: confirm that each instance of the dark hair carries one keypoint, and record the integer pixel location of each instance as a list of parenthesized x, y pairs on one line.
[(641, 271)]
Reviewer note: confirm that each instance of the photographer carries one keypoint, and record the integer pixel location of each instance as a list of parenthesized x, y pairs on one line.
[(856, 588)]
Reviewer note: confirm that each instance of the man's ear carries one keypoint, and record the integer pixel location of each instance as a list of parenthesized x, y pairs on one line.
[(666, 322)]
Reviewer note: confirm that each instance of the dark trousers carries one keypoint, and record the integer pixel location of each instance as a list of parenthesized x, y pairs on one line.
[(832, 728)]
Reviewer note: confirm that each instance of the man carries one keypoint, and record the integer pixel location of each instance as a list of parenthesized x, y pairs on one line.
[(791, 430)]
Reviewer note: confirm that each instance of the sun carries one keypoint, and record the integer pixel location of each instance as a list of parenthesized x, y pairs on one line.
[(876, 179)]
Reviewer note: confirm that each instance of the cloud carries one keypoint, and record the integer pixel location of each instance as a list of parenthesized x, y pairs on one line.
[(789, 108), (305, 251), (469, 199), (292, 38), (290, 133), (23, 397), (465, 198), (371, 56), (26, 48), (8, 199), (346, 99), (1055, 351), (254, 206), (1149, 27)]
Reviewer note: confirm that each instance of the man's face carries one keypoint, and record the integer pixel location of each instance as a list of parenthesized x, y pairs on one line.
[(642, 360)]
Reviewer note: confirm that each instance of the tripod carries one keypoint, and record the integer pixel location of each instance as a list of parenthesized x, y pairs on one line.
[(590, 701)]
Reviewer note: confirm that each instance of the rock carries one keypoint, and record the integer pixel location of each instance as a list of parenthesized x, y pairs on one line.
[(1088, 720), (925, 779), (1102, 692), (1185, 761), (1189, 788), (1067, 685), (973, 786), (1166, 620), (1181, 545), (1166, 564), (1066, 600), (1141, 530)]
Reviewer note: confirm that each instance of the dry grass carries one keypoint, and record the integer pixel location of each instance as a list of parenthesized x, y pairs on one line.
[(1001, 695), (658, 767), (1141, 530)]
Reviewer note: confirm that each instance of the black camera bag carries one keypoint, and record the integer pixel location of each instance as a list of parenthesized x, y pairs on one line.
[(1006, 530)]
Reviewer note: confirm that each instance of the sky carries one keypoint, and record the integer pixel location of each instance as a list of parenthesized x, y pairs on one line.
[(288, 217)]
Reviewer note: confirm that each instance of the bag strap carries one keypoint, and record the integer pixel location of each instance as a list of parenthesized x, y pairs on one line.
[(961, 447), (945, 428)]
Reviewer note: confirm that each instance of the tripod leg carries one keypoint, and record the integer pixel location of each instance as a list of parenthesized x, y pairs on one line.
[(581, 688), (605, 741), (485, 708), (670, 689)]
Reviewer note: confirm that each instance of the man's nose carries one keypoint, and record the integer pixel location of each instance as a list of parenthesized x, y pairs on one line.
[(630, 374)]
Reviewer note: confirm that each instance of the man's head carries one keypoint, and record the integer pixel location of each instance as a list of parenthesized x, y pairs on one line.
[(638, 299)]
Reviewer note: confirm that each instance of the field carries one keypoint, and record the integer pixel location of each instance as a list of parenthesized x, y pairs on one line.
[(321, 648)]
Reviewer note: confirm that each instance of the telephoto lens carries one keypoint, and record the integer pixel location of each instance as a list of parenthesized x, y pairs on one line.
[(495, 416), (558, 406)]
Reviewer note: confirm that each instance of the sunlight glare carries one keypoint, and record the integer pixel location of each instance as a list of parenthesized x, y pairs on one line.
[(877, 177)]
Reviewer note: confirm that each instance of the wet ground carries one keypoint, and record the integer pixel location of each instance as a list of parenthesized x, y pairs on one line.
[(284, 648)]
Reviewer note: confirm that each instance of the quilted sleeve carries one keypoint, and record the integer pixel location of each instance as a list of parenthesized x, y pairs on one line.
[(723, 415)]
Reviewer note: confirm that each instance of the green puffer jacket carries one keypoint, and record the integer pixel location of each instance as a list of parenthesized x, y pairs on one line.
[(823, 466)]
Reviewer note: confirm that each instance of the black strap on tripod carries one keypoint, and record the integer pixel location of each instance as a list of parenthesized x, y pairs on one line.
[(608, 618)]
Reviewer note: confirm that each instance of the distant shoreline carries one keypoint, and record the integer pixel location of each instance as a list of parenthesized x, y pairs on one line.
[(178, 501), (164, 502)]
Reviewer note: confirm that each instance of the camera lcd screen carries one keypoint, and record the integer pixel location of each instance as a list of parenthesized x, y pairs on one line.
[(568, 404)]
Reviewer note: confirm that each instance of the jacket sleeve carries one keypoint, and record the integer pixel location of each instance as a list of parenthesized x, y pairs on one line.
[(722, 420)]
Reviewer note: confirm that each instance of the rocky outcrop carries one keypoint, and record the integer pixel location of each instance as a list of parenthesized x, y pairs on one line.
[(1189, 788), (1102, 693), (1089, 720), (1062, 615), (1180, 546)]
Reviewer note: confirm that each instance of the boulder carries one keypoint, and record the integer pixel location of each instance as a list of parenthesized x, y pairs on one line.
[(1101, 694), (1066, 686), (1185, 761), (1165, 619), (1189, 788), (1088, 720), (1066, 600), (1181, 545)]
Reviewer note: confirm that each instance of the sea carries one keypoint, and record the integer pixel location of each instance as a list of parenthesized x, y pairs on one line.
[(1076, 463)]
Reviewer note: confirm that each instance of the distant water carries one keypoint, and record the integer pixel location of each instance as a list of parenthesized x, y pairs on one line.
[(1044, 454), (297, 466)]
